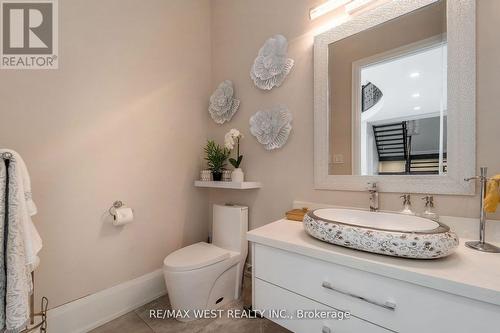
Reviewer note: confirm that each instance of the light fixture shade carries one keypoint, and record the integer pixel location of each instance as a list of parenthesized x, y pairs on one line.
[(356, 5), (326, 7)]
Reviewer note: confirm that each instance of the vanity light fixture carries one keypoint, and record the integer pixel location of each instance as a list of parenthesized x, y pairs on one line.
[(417, 108), (415, 95), (414, 75), (356, 5), (326, 7)]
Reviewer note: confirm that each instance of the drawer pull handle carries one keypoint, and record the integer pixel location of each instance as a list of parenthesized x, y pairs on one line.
[(386, 305)]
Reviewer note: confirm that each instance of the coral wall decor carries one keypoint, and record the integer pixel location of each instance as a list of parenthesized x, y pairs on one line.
[(271, 65), (222, 103), (271, 127)]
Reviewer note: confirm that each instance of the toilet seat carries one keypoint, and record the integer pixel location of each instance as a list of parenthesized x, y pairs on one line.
[(207, 276), (195, 256)]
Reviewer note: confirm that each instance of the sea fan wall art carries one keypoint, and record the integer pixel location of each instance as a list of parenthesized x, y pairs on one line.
[(223, 105), (272, 64), (272, 127)]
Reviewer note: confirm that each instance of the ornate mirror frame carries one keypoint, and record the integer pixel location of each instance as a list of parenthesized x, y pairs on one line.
[(461, 150)]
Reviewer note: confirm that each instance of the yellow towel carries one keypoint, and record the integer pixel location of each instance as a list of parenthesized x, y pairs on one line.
[(492, 195)]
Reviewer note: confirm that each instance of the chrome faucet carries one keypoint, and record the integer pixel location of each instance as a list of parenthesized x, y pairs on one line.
[(373, 190), (481, 245), (407, 210)]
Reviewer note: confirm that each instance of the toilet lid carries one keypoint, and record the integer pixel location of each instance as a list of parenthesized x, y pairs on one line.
[(195, 256)]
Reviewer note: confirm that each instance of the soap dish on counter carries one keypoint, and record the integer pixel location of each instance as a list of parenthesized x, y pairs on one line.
[(296, 214)]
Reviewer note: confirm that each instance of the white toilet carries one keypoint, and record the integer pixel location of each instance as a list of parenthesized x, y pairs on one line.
[(207, 276)]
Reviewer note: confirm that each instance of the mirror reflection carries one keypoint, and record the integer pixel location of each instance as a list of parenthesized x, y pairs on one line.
[(388, 100)]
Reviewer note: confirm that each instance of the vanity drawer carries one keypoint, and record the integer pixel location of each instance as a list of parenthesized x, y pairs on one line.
[(269, 298), (394, 304)]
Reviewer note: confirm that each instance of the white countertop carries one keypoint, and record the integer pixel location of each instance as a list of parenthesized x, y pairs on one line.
[(466, 272)]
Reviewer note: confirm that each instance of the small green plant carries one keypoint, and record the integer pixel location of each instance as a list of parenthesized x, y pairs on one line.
[(216, 156)]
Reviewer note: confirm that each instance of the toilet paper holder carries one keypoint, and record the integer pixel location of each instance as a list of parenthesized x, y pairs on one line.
[(117, 204)]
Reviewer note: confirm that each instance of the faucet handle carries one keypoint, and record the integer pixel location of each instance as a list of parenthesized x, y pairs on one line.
[(429, 200), (406, 199)]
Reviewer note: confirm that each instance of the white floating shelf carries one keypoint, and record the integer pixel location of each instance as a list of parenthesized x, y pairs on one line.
[(228, 185)]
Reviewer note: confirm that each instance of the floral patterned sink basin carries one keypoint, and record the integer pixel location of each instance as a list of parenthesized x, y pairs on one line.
[(384, 233)]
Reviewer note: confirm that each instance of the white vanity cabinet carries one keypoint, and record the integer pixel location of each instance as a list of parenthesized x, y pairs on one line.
[(293, 271), (271, 297)]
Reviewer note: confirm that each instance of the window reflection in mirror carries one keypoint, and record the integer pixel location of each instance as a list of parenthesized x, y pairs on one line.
[(388, 97)]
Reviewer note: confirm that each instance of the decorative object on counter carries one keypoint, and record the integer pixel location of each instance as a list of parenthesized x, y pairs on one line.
[(272, 64), (296, 214), (231, 140), (429, 241), (226, 175), (407, 205), (216, 157), (222, 103), (272, 127), (481, 245), (429, 212), (206, 175)]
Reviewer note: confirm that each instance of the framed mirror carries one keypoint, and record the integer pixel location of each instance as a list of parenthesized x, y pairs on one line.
[(394, 99)]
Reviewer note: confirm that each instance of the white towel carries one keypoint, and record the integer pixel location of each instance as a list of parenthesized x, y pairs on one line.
[(32, 240), (3, 241), (16, 284)]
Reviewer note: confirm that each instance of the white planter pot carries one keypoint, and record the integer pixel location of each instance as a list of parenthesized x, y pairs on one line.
[(237, 175)]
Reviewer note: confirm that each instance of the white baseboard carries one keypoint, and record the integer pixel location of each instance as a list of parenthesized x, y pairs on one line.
[(87, 313)]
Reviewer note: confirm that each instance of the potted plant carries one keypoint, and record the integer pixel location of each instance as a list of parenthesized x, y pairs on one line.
[(231, 140), (216, 158)]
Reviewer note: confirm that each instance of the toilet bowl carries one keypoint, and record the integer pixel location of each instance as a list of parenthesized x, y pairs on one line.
[(208, 275)]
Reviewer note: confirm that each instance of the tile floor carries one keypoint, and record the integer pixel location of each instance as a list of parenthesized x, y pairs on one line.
[(139, 321)]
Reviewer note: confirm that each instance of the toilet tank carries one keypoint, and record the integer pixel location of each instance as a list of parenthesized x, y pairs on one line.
[(230, 226)]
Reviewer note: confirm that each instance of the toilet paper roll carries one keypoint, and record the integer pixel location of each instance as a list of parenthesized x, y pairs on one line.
[(123, 215)]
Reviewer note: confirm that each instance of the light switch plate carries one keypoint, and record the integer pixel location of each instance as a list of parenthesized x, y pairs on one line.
[(338, 159)]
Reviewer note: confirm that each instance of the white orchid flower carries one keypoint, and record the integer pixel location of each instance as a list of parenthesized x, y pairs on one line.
[(229, 141)]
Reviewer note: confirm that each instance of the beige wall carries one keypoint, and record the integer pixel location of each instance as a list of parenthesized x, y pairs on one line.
[(239, 28), (124, 118), (417, 26)]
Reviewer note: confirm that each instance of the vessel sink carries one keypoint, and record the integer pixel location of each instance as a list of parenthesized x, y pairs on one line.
[(384, 233)]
